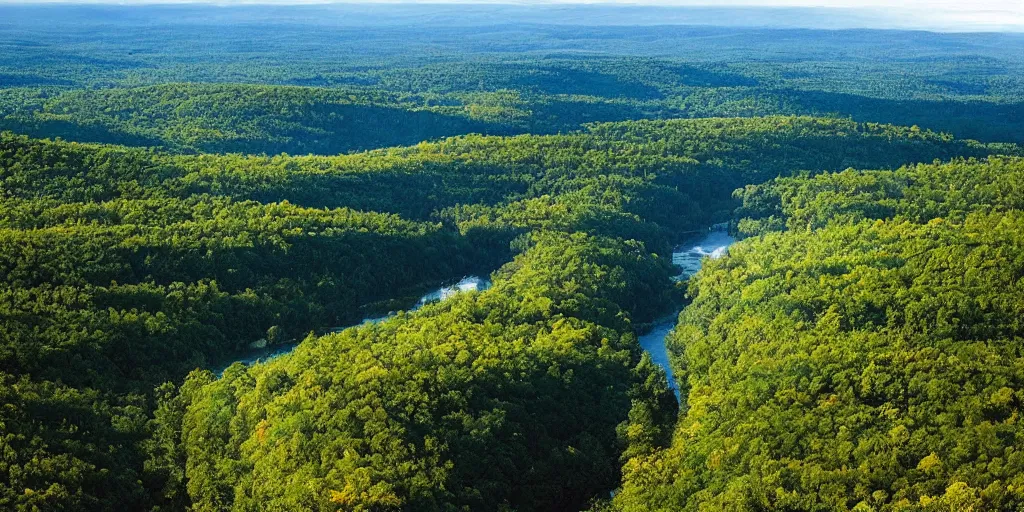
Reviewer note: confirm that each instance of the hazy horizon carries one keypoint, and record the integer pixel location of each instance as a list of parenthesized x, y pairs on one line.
[(939, 16)]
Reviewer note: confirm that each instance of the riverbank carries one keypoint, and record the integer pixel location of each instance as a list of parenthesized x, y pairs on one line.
[(688, 256), (441, 293)]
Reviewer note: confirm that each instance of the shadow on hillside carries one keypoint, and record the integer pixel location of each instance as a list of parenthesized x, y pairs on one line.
[(979, 120)]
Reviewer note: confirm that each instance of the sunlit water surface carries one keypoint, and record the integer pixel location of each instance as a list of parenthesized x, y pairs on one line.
[(688, 257)]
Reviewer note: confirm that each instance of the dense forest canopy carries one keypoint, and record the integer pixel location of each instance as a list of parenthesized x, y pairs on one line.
[(180, 185), (863, 352), (374, 78), (161, 263)]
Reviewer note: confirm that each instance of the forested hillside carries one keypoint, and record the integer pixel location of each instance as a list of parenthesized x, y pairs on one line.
[(862, 351), (250, 119), (505, 399), (272, 119), (217, 224), (125, 268)]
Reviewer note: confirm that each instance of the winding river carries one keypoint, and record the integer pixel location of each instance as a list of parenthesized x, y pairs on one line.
[(264, 353), (687, 257)]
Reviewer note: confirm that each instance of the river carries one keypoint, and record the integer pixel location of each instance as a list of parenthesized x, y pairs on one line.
[(264, 353), (687, 257)]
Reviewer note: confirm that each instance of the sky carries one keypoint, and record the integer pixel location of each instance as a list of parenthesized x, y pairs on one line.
[(959, 5), (973, 14)]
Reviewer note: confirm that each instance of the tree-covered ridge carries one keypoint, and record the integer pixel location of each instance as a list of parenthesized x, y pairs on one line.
[(246, 118), (273, 119), (871, 361), (919, 193), (81, 215), (552, 281), (127, 267), (110, 286), (702, 159), (267, 265), (507, 399)]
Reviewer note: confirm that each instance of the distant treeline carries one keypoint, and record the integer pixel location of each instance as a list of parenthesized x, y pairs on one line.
[(263, 119)]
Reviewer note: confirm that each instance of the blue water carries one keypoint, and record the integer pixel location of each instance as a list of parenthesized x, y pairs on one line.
[(688, 257), (469, 283), (654, 344)]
